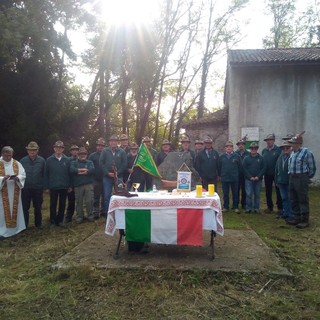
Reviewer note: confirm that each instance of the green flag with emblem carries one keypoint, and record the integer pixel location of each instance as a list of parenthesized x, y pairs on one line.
[(145, 161)]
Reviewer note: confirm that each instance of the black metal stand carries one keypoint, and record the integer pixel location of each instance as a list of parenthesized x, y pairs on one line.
[(213, 235), (121, 235)]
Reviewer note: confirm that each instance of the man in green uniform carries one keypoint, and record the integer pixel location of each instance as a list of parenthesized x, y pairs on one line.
[(229, 170), (74, 149), (34, 165), (271, 154), (254, 169), (97, 179), (242, 152), (82, 171), (207, 164), (113, 163), (281, 178), (165, 149), (57, 180)]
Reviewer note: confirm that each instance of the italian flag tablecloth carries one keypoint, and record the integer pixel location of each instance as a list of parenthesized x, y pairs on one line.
[(177, 226), (167, 219)]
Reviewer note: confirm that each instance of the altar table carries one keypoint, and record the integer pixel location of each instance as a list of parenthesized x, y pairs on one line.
[(172, 219)]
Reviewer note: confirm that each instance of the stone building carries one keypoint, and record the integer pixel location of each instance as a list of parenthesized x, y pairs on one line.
[(274, 91), (215, 125)]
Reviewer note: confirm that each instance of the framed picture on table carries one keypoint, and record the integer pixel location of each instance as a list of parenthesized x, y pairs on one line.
[(184, 181)]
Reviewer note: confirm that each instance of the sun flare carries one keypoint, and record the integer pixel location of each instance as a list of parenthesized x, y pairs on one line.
[(119, 12)]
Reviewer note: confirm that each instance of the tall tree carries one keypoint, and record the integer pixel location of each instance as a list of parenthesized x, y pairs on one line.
[(282, 30), (219, 33)]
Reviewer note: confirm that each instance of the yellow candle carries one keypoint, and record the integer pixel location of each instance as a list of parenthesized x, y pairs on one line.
[(211, 189), (198, 191)]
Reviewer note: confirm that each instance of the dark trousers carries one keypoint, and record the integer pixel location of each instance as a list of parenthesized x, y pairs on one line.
[(36, 196), (242, 191), (55, 196), (226, 186), (285, 196), (71, 205), (98, 197), (148, 182), (299, 188), (268, 182), (207, 181)]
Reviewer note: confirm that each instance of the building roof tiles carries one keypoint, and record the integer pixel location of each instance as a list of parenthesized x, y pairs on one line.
[(274, 56)]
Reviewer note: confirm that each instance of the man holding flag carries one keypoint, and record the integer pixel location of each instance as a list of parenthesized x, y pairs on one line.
[(134, 173), (113, 163), (144, 161)]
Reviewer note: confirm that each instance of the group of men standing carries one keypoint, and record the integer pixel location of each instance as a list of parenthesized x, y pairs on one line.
[(23, 183), (87, 181), (288, 168), (74, 182)]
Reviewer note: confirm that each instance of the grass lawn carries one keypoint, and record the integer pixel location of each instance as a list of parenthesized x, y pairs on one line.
[(30, 289)]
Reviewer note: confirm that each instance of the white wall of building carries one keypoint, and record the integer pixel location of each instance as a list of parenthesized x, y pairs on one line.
[(277, 100)]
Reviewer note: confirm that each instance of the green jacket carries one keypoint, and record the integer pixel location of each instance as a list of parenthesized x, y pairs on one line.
[(78, 179), (242, 156), (108, 159), (270, 158), (253, 166), (207, 167), (229, 167), (95, 158), (35, 172), (281, 174), (57, 173)]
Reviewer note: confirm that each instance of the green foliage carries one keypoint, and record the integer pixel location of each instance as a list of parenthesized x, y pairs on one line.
[(290, 27), (33, 108), (37, 100)]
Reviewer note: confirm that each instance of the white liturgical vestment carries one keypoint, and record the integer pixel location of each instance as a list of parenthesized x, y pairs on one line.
[(11, 212)]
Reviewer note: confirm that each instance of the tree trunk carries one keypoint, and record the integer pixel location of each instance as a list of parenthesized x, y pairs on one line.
[(102, 103)]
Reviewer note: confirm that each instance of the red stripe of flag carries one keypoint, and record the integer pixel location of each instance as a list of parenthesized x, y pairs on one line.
[(189, 226)]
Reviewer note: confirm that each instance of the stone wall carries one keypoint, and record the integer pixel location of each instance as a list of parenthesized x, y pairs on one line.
[(218, 132)]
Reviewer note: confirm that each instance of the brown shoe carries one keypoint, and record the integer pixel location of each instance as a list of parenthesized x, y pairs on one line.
[(268, 210), (237, 210)]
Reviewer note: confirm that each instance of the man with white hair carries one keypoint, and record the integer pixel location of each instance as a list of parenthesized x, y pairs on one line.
[(12, 178)]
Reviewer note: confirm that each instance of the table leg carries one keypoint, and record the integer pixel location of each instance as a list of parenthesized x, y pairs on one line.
[(213, 235), (121, 234)]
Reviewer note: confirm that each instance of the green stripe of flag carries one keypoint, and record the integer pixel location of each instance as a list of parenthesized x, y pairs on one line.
[(138, 225)]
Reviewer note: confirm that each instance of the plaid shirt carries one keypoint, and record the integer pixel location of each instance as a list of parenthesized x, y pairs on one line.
[(302, 161)]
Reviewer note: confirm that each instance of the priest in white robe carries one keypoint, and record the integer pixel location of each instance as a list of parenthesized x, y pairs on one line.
[(12, 178)]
